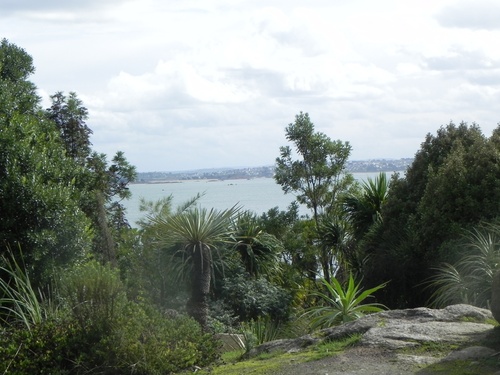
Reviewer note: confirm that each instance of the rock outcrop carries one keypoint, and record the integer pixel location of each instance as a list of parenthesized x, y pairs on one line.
[(397, 329), (495, 297)]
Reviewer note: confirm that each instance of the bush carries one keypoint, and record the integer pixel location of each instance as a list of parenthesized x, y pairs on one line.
[(145, 343), (51, 347), (94, 294), (470, 279), (149, 343), (250, 299), (259, 331), (341, 304), (98, 331)]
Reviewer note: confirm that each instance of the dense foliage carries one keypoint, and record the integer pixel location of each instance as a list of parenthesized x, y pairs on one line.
[(81, 292), (453, 185), (318, 177), (40, 202)]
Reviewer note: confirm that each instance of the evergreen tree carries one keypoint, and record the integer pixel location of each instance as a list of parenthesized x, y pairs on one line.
[(318, 176), (69, 115), (39, 200), (452, 185)]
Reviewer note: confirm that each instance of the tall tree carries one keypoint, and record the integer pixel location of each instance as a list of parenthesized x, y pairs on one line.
[(259, 251), (106, 185), (318, 176), (195, 235), (452, 185), (39, 199), (70, 115)]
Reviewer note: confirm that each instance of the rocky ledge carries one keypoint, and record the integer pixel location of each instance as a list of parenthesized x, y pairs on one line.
[(460, 326)]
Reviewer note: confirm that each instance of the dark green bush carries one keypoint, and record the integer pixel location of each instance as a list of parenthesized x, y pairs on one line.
[(50, 348), (250, 299), (144, 342), (154, 344), (96, 330)]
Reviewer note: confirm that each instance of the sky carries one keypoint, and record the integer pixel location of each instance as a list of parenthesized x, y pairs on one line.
[(192, 84)]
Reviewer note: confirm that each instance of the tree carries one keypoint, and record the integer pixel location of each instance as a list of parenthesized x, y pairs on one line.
[(298, 257), (195, 235), (452, 185), (105, 185), (259, 251), (364, 208), (17, 94), (39, 199), (69, 115), (318, 176)]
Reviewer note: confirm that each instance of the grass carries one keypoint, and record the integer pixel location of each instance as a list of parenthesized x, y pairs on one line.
[(484, 367), (268, 363), (431, 348), (19, 301)]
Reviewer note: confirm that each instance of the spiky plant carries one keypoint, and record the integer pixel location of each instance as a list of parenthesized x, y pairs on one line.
[(470, 279), (194, 236), (19, 303), (341, 304)]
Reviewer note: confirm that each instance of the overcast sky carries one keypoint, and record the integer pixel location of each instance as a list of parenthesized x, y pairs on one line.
[(190, 84)]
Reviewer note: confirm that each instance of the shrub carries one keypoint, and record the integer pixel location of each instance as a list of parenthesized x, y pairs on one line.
[(149, 343), (470, 279), (259, 331), (250, 299), (18, 301), (145, 343), (51, 347), (341, 304), (94, 294), (98, 331)]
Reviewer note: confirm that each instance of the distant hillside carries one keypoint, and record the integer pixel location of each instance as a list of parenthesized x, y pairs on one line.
[(375, 165)]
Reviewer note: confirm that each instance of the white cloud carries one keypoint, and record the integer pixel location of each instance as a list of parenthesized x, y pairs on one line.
[(191, 84), (471, 14)]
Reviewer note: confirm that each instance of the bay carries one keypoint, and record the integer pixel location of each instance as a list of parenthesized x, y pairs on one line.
[(257, 194)]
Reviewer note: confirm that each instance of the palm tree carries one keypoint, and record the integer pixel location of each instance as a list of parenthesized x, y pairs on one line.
[(259, 251), (336, 252), (195, 235), (365, 209)]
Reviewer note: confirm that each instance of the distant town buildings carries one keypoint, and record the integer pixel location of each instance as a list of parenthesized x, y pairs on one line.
[(376, 165)]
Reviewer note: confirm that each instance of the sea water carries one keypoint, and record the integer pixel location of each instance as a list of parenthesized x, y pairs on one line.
[(257, 194)]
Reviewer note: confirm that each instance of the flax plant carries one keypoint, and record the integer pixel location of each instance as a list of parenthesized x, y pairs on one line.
[(341, 304), (470, 279), (259, 331), (19, 303)]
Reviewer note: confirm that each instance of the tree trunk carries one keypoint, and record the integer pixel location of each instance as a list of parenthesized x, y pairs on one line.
[(106, 242), (197, 305)]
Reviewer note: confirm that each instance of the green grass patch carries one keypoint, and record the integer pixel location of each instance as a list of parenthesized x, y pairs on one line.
[(488, 366), (231, 357), (435, 349), (469, 319), (267, 363), (327, 349)]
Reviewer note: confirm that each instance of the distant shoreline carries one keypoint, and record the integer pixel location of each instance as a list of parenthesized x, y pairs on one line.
[(222, 174), (178, 181)]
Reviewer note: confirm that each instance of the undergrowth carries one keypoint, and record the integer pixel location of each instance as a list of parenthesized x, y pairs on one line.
[(267, 363)]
